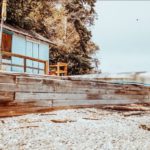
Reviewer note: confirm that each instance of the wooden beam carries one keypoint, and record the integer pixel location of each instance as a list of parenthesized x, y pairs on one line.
[(25, 58), (25, 65), (46, 68), (6, 97), (22, 56), (58, 103), (22, 66)]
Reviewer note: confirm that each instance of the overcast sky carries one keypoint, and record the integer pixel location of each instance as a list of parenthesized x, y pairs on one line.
[(123, 33)]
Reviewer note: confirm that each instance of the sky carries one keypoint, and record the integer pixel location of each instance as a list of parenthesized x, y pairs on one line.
[(122, 32)]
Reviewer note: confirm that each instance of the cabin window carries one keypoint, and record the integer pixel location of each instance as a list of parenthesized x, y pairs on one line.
[(6, 44), (32, 50)]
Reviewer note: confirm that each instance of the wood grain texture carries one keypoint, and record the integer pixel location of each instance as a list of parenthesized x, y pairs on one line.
[(25, 93), (6, 96), (57, 103)]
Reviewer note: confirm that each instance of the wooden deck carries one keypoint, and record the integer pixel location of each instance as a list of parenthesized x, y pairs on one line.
[(24, 93)]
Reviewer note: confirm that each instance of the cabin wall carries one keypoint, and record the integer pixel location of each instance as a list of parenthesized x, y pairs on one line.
[(28, 47)]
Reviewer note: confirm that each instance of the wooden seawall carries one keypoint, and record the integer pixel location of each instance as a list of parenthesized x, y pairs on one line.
[(22, 93)]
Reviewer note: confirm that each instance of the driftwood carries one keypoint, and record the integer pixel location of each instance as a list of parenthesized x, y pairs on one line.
[(90, 118), (62, 121), (134, 113), (127, 108), (47, 114), (145, 127)]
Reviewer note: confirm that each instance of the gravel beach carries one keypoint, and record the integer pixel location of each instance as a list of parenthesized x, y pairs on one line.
[(76, 129)]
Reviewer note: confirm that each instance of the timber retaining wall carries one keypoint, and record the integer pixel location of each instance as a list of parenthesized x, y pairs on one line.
[(22, 93)]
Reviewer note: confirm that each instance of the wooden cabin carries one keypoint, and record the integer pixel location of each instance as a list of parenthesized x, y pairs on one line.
[(24, 51)]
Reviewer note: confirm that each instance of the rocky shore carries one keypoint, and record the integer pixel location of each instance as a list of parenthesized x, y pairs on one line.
[(74, 129)]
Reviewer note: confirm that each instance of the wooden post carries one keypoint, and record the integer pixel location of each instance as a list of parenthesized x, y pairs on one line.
[(3, 18), (66, 70), (58, 69), (25, 65), (46, 68), (1, 33)]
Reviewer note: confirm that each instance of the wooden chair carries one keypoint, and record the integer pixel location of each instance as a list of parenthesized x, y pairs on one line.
[(60, 69)]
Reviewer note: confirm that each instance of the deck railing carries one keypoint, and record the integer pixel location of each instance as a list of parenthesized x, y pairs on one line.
[(25, 58)]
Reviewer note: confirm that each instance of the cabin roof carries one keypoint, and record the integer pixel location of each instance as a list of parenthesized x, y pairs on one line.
[(27, 33)]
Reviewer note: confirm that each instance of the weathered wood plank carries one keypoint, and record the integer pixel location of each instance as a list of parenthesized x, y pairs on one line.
[(68, 96), (57, 103), (28, 80), (132, 92), (6, 96), (60, 89), (123, 97), (21, 110), (49, 96), (7, 79), (32, 103), (8, 87), (58, 84), (77, 84)]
